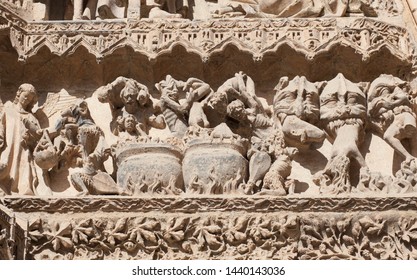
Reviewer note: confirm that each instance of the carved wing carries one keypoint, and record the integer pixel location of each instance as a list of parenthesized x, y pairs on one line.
[(55, 103)]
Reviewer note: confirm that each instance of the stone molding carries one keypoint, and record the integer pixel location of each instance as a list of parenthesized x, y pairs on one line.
[(258, 37), (208, 204), (360, 233)]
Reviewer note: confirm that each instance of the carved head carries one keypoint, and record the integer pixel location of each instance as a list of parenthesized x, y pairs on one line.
[(342, 102), (242, 75), (130, 123), (143, 97), (81, 113), (168, 87), (129, 93), (236, 110), (297, 97), (134, 95), (26, 96), (385, 93), (82, 109), (218, 101)]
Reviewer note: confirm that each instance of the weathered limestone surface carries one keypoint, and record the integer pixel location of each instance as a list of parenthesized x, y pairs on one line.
[(208, 130)]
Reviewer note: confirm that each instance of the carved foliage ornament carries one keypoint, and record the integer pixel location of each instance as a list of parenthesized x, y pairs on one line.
[(249, 236)]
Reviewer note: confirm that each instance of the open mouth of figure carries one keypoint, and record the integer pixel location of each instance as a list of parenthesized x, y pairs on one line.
[(335, 125)]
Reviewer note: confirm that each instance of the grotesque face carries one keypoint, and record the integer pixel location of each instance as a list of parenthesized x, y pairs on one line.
[(298, 97), (172, 92), (342, 102), (129, 95), (168, 88), (385, 93)]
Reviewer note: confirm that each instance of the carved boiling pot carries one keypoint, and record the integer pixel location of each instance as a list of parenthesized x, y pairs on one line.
[(149, 168), (209, 166)]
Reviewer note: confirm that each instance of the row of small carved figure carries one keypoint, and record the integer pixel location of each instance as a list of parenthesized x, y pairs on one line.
[(111, 9), (301, 111), (298, 106), (234, 115)]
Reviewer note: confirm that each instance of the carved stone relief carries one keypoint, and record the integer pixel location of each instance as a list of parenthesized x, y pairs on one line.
[(208, 138), (253, 236), (244, 165)]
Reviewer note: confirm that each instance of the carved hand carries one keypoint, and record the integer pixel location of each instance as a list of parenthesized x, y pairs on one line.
[(32, 127)]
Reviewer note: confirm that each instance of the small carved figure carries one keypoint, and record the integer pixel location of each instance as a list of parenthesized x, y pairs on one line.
[(129, 128), (197, 91), (275, 180), (128, 97), (175, 113), (316, 8), (20, 134), (391, 114), (343, 113), (267, 151), (91, 177), (242, 87), (231, 9), (210, 112)]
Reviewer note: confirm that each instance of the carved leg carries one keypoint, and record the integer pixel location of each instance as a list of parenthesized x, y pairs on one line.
[(79, 181), (197, 116), (346, 143), (259, 164), (47, 181), (393, 135), (334, 179), (90, 10), (275, 178)]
